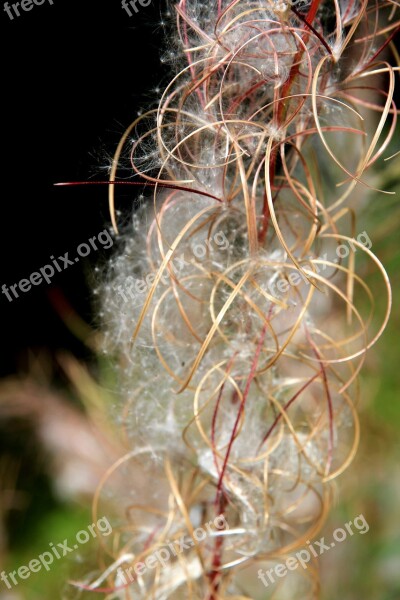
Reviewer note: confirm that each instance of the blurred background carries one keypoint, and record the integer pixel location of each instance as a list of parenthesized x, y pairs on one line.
[(77, 74)]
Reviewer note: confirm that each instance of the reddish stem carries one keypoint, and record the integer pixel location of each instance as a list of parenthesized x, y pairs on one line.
[(287, 405), (329, 399), (169, 186), (220, 500), (285, 92)]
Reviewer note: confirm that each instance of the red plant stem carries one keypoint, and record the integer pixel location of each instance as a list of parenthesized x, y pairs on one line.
[(296, 61), (315, 32), (381, 48), (169, 186), (329, 399), (281, 106), (313, 10), (287, 405), (217, 558), (214, 419), (239, 414), (220, 500)]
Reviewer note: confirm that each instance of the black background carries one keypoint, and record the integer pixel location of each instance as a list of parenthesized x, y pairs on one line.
[(75, 73)]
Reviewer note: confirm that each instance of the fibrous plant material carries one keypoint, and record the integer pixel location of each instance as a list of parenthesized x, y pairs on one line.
[(235, 306)]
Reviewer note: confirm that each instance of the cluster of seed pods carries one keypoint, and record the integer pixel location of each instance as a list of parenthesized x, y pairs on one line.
[(235, 306)]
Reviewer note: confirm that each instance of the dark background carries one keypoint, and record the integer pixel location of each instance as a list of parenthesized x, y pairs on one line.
[(74, 76)]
